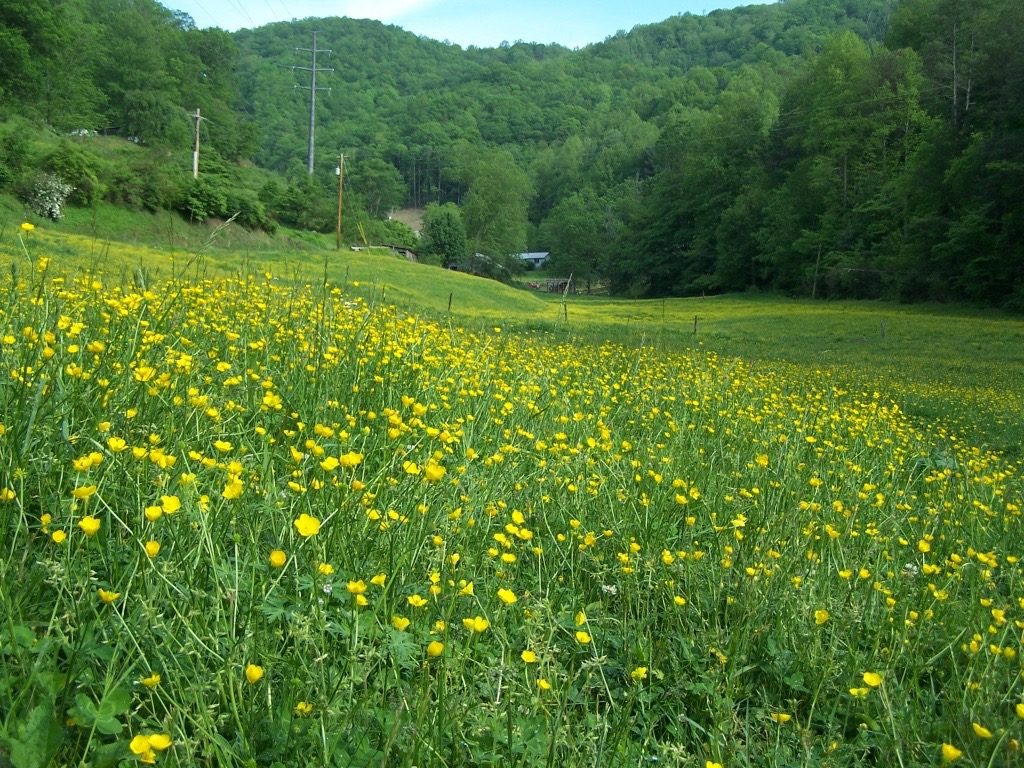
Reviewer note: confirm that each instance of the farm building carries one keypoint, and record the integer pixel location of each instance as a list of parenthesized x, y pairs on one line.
[(534, 259)]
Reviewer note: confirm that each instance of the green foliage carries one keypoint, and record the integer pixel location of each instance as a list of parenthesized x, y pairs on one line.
[(495, 206), (78, 167), (820, 147), (444, 235)]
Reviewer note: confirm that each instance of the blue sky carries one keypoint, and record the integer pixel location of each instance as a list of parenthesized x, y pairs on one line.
[(484, 23)]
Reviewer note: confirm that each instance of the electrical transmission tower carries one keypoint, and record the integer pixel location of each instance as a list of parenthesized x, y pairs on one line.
[(312, 88)]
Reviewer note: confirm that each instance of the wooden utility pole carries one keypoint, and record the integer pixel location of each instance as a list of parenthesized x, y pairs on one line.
[(195, 152), (312, 69), (341, 188)]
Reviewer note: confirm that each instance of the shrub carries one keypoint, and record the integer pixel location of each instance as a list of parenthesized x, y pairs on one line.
[(47, 195), (80, 168)]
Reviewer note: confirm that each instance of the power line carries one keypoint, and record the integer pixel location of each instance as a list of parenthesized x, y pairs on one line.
[(312, 88)]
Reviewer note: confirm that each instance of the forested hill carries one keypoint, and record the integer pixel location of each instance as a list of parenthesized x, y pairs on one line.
[(821, 147)]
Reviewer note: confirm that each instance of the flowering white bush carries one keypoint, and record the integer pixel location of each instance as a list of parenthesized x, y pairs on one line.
[(48, 196)]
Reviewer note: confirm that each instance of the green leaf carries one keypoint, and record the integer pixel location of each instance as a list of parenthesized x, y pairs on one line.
[(116, 702), (40, 736), (403, 648)]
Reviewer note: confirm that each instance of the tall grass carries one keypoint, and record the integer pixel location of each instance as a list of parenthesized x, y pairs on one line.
[(251, 521)]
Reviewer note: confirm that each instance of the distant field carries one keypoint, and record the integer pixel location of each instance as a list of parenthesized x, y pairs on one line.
[(283, 508)]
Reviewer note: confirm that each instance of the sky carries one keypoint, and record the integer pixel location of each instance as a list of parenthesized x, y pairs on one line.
[(483, 23)]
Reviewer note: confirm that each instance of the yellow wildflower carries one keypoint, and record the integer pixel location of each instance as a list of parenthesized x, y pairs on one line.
[(90, 525), (253, 673), (307, 525), (435, 648)]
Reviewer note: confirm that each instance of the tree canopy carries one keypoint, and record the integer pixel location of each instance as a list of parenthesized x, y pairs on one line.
[(821, 147)]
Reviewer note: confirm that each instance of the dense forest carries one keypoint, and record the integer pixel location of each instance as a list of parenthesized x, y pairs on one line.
[(861, 148)]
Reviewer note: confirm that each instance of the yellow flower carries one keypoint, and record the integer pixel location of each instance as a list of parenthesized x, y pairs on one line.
[(638, 674), (159, 741), (152, 681), (433, 472), (303, 708), (146, 746), (27, 226), (351, 460), (170, 504), (507, 596), (1019, 709), (583, 638), (356, 587), (379, 579), (90, 525), (307, 525), (543, 684), (325, 569), (233, 488), (872, 679), (278, 558), (981, 731), (59, 537), (950, 753), (253, 673), (152, 548), (107, 596), (435, 648), (476, 624), (528, 657), (416, 601), (711, 764), (400, 623), (83, 492), (859, 693), (153, 513), (821, 616), (780, 717)]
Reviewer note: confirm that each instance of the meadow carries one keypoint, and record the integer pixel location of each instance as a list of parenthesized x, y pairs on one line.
[(286, 509)]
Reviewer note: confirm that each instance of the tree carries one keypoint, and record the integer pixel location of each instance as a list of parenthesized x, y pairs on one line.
[(581, 234), (495, 206), (378, 183), (444, 235)]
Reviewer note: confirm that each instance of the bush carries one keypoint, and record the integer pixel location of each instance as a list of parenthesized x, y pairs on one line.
[(47, 195), (80, 168), (250, 211), (206, 198)]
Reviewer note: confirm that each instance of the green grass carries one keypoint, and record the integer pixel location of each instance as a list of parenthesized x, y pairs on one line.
[(280, 507)]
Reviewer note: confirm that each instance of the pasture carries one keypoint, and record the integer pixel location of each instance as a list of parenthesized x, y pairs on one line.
[(269, 508)]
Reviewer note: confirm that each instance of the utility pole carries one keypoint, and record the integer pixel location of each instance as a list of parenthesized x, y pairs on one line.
[(341, 187), (312, 88), (195, 153)]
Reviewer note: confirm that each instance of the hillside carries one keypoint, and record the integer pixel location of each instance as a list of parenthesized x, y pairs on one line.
[(841, 148)]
